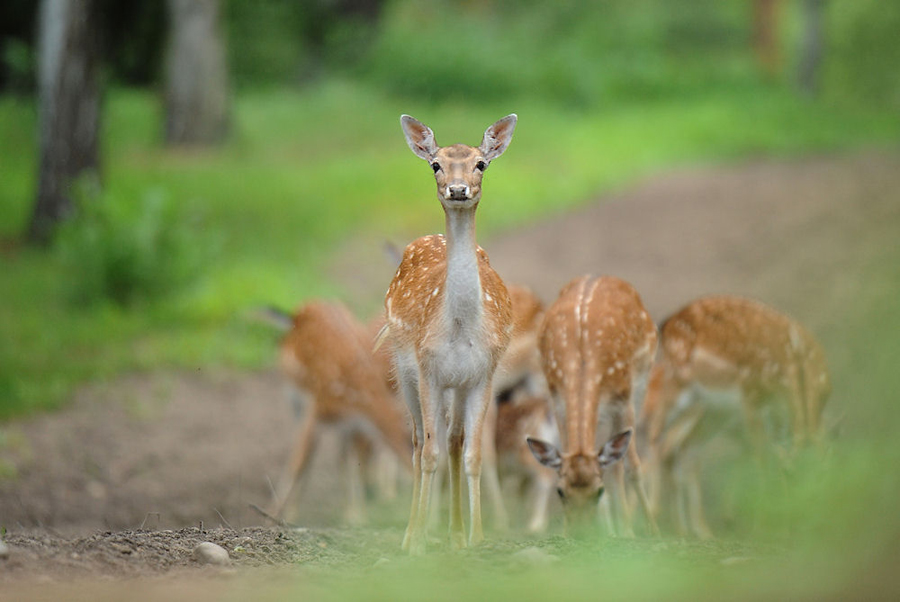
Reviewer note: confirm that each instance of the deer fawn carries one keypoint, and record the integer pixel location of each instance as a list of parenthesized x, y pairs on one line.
[(713, 347), (522, 408), (448, 319), (327, 354), (597, 343)]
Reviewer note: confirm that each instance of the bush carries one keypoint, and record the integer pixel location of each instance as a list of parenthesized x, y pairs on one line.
[(127, 251)]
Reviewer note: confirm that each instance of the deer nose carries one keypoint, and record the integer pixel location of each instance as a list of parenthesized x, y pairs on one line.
[(458, 192)]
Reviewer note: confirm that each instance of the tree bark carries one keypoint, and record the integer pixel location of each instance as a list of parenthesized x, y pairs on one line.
[(69, 109), (196, 74), (765, 36), (811, 47)]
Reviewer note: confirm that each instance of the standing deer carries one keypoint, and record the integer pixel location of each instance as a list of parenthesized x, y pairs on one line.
[(449, 322), (728, 347), (340, 383), (597, 343)]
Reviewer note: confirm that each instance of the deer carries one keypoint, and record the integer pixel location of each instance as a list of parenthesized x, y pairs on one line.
[(728, 348), (448, 323), (339, 383), (522, 409), (597, 345)]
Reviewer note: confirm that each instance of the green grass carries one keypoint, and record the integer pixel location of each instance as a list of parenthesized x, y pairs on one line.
[(306, 171)]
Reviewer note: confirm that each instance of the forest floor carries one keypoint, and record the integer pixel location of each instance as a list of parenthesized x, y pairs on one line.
[(129, 477)]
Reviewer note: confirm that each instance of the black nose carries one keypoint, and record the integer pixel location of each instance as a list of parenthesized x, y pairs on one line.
[(458, 193)]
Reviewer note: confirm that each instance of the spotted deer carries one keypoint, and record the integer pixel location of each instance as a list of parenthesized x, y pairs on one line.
[(597, 344), (448, 322), (339, 383), (722, 349), (522, 409)]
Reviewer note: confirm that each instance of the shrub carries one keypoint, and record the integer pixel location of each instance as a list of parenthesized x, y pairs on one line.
[(127, 251)]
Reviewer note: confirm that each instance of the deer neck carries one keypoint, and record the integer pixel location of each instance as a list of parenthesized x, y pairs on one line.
[(462, 290)]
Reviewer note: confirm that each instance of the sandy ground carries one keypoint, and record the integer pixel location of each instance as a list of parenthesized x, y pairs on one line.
[(135, 472)]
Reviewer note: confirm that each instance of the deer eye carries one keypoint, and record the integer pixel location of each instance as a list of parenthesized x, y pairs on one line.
[(436, 166), (481, 166)]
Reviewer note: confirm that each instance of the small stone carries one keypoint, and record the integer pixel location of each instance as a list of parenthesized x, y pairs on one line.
[(210, 553), (4, 550), (735, 560), (535, 555)]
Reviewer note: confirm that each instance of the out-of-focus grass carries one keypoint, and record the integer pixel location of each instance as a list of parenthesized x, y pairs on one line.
[(305, 171)]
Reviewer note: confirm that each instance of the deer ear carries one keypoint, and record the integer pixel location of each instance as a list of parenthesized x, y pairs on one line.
[(497, 137), (614, 449), (545, 453), (419, 137)]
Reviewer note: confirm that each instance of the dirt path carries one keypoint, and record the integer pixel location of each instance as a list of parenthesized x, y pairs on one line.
[(169, 452)]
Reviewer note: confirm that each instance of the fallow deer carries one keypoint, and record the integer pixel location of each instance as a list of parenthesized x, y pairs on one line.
[(448, 319), (722, 348), (597, 343), (328, 356), (522, 408)]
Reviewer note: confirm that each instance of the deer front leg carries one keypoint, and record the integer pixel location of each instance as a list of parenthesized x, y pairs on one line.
[(430, 401), (455, 438), (304, 442), (477, 402)]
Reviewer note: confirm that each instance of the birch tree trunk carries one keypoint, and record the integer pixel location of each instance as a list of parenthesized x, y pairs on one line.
[(196, 74), (69, 109)]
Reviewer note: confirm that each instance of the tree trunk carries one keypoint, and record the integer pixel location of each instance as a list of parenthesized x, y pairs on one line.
[(196, 75), (811, 47), (69, 109), (765, 36)]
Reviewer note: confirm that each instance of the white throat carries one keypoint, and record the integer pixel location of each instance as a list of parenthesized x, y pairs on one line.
[(462, 302)]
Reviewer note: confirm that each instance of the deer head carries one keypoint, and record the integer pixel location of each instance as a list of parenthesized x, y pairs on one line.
[(459, 168)]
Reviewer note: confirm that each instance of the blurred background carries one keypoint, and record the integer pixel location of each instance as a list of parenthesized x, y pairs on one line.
[(165, 166)]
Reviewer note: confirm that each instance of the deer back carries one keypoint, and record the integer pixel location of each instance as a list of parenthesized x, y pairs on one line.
[(594, 339)]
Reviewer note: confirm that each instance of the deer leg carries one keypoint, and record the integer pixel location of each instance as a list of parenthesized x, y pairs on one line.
[(355, 453), (635, 478), (304, 441), (410, 390), (489, 468), (430, 402), (455, 436), (542, 490), (477, 401), (694, 495)]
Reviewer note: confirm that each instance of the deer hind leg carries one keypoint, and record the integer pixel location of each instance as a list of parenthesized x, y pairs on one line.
[(407, 377), (476, 404), (304, 443)]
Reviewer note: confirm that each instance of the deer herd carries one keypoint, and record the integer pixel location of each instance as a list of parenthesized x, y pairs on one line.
[(563, 400)]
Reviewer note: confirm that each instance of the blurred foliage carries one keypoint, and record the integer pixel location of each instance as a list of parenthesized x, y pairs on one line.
[(124, 251), (863, 54), (574, 52), (568, 51)]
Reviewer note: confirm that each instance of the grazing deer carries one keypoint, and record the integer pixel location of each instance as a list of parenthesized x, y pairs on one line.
[(597, 343), (328, 355), (518, 418), (448, 319), (727, 347), (522, 408)]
